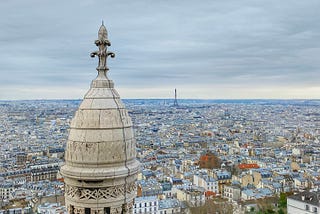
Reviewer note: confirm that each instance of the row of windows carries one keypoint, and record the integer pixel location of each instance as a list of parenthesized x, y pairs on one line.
[(212, 188), (146, 204), (88, 210), (146, 210), (212, 184), (229, 195), (155, 212), (315, 209), (228, 190), (165, 212)]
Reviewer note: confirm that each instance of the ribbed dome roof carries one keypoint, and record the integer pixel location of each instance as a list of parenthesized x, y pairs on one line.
[(100, 160), (101, 135)]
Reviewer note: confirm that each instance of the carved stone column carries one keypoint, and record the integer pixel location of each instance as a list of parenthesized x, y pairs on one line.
[(130, 207), (70, 209), (125, 208), (116, 210)]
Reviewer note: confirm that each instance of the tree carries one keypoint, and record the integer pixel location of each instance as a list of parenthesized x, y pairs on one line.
[(270, 211), (252, 209), (283, 200), (280, 211)]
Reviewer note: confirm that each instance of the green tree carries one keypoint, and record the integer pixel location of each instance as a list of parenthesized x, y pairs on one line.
[(280, 211), (252, 209), (270, 211), (283, 200)]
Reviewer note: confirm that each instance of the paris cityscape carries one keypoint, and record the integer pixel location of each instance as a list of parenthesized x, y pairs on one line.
[(236, 153), (194, 107)]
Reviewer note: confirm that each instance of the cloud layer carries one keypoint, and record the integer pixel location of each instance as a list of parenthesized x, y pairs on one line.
[(205, 49)]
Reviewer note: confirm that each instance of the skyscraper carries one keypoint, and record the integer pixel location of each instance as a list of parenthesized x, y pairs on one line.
[(100, 162)]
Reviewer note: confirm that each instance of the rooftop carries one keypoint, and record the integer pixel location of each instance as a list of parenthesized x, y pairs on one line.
[(307, 197)]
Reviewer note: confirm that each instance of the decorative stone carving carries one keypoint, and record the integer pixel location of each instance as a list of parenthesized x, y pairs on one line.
[(97, 211), (131, 187), (130, 206), (116, 210), (99, 193), (78, 210), (102, 42), (125, 208), (70, 209)]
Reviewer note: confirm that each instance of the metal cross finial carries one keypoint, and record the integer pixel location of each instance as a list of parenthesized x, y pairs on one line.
[(102, 42)]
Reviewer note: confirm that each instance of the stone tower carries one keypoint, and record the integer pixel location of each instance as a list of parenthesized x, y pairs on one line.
[(100, 162)]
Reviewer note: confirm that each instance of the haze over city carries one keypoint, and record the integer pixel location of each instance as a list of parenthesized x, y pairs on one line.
[(205, 49)]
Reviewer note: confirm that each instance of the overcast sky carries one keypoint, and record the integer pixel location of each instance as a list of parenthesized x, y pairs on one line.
[(206, 49)]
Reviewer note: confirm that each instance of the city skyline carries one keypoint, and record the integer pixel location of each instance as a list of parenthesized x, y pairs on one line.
[(208, 50)]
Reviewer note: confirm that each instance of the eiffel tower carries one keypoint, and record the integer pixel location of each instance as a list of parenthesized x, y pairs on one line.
[(175, 103)]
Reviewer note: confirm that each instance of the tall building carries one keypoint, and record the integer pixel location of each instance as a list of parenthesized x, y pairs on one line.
[(175, 103), (100, 162)]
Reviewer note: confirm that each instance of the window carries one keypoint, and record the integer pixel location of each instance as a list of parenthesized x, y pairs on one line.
[(315, 209), (307, 207), (87, 210)]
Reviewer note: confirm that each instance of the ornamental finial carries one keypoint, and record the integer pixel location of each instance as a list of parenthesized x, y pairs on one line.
[(102, 42)]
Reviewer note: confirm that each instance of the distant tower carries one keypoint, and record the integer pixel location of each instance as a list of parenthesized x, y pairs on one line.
[(101, 167), (175, 103)]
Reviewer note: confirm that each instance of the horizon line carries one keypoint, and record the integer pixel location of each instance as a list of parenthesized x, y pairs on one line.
[(56, 99)]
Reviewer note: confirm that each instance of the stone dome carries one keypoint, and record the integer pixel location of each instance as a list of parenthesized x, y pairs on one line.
[(100, 161)]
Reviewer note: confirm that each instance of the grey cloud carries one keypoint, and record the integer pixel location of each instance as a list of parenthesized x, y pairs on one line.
[(162, 43)]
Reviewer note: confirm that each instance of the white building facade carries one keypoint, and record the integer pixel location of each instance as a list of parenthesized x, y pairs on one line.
[(303, 203), (147, 205), (207, 182), (232, 193)]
